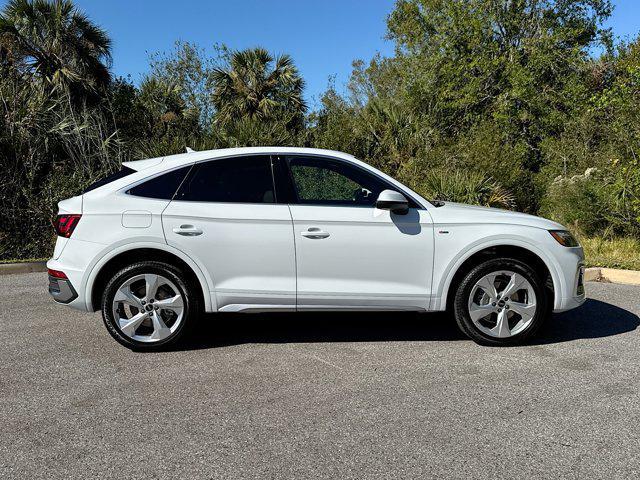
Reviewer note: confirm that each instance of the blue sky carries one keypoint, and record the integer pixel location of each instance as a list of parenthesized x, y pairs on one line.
[(323, 36)]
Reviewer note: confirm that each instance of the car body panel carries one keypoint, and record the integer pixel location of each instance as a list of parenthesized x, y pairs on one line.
[(248, 247), (83, 272), (369, 258), (461, 231)]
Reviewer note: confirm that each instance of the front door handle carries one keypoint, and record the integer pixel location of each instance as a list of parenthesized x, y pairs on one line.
[(187, 230), (315, 233)]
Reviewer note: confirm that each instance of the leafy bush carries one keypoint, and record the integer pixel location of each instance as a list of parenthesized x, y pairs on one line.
[(597, 202), (577, 202), (465, 187)]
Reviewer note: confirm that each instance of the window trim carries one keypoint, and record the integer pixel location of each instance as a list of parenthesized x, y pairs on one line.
[(280, 172), (294, 200)]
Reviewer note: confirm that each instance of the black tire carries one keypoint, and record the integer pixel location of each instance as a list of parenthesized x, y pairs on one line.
[(191, 306), (464, 290)]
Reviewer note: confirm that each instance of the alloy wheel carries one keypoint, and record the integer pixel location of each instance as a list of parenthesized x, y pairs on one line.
[(502, 304), (148, 308)]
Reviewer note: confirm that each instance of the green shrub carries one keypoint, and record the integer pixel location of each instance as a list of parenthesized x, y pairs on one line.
[(577, 202), (462, 186), (597, 202)]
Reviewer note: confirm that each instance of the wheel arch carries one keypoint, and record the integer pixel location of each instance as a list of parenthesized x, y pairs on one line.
[(496, 248), (131, 253)]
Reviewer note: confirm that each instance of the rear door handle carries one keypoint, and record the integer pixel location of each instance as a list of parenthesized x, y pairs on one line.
[(315, 233), (187, 230)]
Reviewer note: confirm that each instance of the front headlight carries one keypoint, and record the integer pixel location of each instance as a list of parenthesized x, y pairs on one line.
[(564, 238)]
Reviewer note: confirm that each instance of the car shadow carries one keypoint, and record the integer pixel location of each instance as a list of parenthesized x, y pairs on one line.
[(227, 329), (595, 319)]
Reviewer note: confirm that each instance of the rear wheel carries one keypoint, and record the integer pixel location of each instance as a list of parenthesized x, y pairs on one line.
[(501, 302), (148, 305)]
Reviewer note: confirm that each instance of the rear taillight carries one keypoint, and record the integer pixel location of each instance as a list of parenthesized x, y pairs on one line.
[(66, 224), (56, 273)]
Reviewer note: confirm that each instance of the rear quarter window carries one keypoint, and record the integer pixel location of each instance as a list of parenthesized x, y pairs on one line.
[(163, 186), (123, 172)]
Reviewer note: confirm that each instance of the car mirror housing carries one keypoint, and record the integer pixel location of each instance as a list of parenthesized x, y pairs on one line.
[(393, 201)]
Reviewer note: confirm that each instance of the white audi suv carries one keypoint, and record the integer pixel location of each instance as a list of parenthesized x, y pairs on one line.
[(296, 229)]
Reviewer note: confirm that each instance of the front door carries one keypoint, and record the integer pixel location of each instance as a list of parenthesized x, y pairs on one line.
[(226, 218), (349, 254)]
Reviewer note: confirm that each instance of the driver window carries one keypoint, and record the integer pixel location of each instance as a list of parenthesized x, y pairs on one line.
[(329, 182)]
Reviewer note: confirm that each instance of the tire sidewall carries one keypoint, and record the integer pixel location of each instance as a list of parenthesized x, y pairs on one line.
[(123, 275), (461, 310)]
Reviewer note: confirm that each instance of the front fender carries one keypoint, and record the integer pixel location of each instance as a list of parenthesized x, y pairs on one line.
[(452, 266)]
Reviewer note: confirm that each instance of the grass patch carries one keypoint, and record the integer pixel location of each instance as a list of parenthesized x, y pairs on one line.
[(612, 252), (22, 260)]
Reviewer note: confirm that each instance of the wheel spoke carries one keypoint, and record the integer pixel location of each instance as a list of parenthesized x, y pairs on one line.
[(487, 284), (476, 312), (174, 303), (152, 283), (129, 326), (125, 295), (160, 330), (502, 326), (515, 284), (526, 311)]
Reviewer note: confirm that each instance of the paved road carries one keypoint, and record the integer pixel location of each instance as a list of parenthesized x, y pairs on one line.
[(318, 396)]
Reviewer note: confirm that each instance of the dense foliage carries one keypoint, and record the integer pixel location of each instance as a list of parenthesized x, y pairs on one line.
[(524, 104)]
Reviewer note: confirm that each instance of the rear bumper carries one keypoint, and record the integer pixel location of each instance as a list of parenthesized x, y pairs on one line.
[(71, 289), (61, 290)]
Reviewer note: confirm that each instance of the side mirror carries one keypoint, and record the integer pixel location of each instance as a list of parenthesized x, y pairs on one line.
[(394, 201)]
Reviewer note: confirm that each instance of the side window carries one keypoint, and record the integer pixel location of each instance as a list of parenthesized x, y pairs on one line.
[(329, 182), (163, 186), (235, 180), (123, 172)]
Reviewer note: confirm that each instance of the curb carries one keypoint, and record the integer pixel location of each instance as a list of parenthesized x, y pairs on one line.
[(612, 275), (26, 267)]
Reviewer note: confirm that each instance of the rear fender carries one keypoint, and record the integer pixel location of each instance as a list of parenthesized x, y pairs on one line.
[(205, 280)]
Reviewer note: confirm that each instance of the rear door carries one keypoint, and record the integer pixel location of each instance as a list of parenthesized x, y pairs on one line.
[(350, 254), (226, 218)]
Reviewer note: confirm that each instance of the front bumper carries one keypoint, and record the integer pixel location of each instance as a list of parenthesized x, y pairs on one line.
[(61, 290), (578, 296)]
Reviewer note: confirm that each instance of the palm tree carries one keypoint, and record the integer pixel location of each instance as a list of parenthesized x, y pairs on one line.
[(256, 85), (50, 40)]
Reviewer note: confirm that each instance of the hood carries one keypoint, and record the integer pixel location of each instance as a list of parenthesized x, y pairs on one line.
[(460, 213)]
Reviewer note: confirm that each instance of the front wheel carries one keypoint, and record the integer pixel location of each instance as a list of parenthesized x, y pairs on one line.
[(148, 305), (501, 302)]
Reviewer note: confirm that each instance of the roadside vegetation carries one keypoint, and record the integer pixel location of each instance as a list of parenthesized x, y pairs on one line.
[(529, 105)]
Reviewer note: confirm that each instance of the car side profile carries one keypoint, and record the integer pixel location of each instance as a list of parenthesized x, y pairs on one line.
[(295, 229)]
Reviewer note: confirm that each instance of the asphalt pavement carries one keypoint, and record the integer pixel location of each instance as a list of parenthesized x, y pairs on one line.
[(319, 396)]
